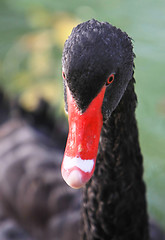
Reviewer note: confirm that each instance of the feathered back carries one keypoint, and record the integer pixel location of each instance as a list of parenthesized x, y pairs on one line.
[(32, 192)]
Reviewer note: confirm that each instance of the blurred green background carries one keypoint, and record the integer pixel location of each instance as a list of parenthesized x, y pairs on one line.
[(32, 34)]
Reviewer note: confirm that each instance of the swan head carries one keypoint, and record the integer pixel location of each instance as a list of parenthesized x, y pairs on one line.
[(97, 65)]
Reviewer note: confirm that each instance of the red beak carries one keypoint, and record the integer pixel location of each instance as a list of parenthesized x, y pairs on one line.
[(82, 144)]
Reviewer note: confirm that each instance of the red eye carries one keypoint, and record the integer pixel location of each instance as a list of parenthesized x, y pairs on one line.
[(63, 75), (110, 79)]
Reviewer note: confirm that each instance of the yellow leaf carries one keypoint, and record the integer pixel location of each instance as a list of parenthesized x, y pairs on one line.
[(63, 27), (51, 92)]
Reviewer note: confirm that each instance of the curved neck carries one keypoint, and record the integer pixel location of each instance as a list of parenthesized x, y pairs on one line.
[(114, 199)]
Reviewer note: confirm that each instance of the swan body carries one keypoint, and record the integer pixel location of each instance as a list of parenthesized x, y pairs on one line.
[(35, 204)]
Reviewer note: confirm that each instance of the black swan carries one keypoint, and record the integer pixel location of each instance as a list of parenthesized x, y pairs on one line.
[(98, 76), (35, 203)]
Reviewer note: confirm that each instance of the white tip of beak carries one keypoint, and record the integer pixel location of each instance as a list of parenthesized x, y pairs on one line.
[(74, 179)]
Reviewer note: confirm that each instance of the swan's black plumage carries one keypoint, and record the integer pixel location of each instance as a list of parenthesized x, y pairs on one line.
[(93, 51), (114, 199), (35, 203), (114, 205)]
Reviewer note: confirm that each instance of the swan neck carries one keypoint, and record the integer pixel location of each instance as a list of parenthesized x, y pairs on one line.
[(114, 200)]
